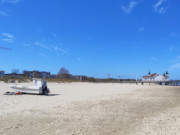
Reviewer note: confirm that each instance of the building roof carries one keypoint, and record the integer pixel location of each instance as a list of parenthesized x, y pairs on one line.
[(149, 76), (165, 75)]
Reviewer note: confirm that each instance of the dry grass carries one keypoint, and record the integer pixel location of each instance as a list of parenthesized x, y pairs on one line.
[(15, 79), (58, 80), (61, 80), (25, 79)]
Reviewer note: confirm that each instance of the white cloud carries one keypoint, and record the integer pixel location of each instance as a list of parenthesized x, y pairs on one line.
[(50, 48), (158, 3), (3, 13), (7, 40), (160, 7), (41, 45), (7, 37), (130, 7), (60, 49), (10, 1), (141, 29)]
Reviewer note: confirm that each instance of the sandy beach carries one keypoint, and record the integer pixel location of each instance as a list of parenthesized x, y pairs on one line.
[(92, 109)]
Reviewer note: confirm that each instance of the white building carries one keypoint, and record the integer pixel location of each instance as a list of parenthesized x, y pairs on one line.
[(156, 77)]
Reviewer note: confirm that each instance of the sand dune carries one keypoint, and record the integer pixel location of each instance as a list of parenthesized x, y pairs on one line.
[(92, 109)]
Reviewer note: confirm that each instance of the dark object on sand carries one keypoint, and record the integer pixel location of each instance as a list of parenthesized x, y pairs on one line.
[(12, 93)]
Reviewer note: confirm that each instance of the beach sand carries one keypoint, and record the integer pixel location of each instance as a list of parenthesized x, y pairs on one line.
[(92, 109)]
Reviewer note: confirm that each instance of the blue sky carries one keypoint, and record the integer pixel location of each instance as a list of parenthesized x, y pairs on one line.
[(91, 37)]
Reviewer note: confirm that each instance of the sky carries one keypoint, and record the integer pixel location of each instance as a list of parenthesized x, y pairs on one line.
[(124, 38)]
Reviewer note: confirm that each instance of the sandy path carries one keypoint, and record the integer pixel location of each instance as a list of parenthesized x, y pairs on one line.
[(93, 109)]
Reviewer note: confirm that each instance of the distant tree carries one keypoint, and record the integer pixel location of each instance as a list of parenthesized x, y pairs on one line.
[(91, 79), (63, 71)]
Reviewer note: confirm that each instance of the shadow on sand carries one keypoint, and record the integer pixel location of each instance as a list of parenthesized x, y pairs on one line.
[(14, 93), (54, 94)]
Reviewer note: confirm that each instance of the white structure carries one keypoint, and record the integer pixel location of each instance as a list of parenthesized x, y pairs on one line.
[(156, 78), (39, 87)]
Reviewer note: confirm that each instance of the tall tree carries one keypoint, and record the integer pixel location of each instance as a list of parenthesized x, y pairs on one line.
[(63, 71)]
